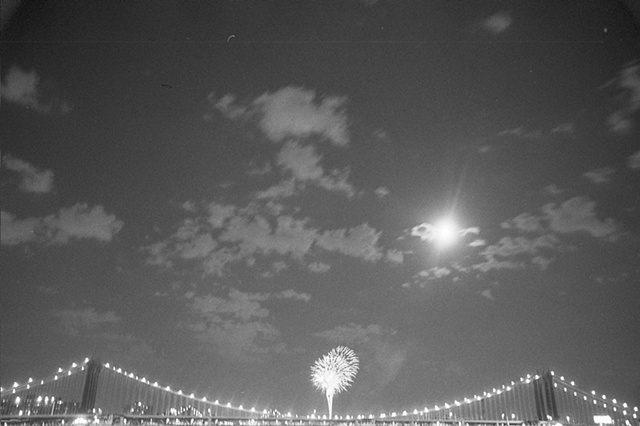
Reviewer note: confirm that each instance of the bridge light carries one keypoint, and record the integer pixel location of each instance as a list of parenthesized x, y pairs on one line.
[(593, 392), (191, 396), (573, 383), (55, 377), (635, 409), (415, 411), (59, 370), (86, 360), (69, 373), (562, 378), (107, 365), (15, 384), (624, 404), (228, 404), (74, 365), (253, 408), (167, 388)]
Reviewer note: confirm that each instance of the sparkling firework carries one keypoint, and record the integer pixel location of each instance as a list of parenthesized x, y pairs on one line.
[(334, 372)]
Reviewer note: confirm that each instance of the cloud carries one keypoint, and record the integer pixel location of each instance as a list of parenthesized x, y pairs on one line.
[(633, 162), (351, 335), (33, 179), (552, 190), (381, 192), (521, 133), (563, 128), (361, 242), (577, 215), (81, 222), (533, 241), (628, 85), (236, 327), (302, 161), (291, 112), (572, 216), (497, 23), (289, 237), (227, 235), (319, 267), (435, 272), (76, 322), (431, 232), (488, 294), (21, 87), (292, 294), (600, 175), (477, 243), (76, 222), (524, 222), (395, 256)]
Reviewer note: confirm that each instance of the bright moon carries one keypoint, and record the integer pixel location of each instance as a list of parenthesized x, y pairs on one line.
[(445, 232)]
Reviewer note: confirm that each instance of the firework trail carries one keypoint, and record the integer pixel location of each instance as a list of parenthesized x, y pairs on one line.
[(334, 372)]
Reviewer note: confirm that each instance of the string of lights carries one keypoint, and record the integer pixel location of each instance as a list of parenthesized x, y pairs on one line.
[(512, 402)]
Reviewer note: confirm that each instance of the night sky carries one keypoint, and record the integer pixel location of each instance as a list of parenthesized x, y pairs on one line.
[(215, 194)]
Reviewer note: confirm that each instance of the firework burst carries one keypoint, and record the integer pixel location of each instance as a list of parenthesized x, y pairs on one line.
[(334, 372)]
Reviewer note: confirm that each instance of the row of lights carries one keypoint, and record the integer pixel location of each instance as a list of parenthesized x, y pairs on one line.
[(180, 393), (594, 395), (17, 387), (505, 388)]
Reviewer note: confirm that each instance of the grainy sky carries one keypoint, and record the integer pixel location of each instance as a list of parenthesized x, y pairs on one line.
[(214, 194)]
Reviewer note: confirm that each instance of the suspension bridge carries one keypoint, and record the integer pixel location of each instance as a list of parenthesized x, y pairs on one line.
[(92, 392)]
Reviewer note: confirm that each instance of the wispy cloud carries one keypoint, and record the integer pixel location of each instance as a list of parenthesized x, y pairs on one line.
[(76, 222), (578, 214), (497, 23), (600, 175), (237, 326), (303, 163), (76, 322), (633, 162), (21, 87), (531, 241), (395, 256), (291, 112), (627, 83), (352, 334), (360, 242), (382, 192), (225, 235), (33, 179)]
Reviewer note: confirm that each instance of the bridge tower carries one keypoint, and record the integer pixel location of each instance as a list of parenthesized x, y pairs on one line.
[(546, 407), (90, 390)]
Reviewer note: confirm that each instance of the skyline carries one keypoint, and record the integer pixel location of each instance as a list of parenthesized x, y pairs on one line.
[(214, 195)]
